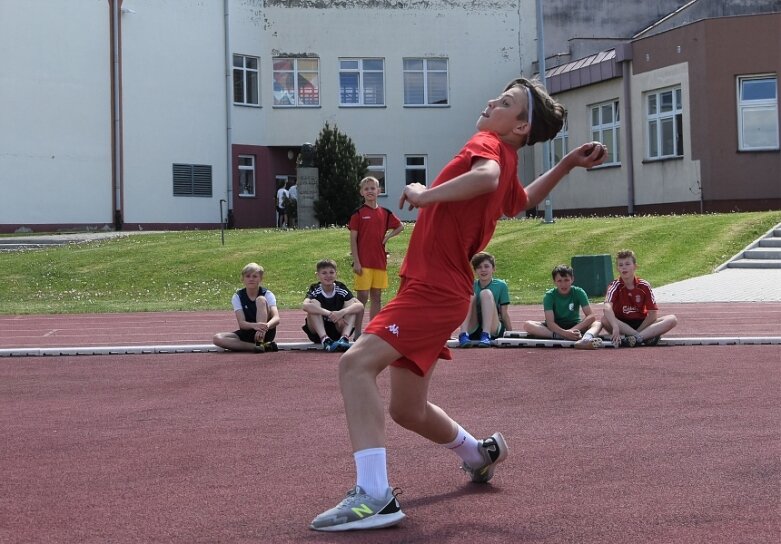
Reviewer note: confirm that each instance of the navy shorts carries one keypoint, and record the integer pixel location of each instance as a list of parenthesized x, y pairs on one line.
[(248, 335)]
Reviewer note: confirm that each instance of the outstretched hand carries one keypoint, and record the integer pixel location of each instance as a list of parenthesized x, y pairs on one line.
[(412, 194), (588, 155)]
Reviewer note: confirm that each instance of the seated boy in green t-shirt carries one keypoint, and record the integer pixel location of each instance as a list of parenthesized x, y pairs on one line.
[(488, 315), (562, 306)]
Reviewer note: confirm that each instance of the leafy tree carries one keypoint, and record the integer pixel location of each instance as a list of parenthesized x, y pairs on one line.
[(340, 170)]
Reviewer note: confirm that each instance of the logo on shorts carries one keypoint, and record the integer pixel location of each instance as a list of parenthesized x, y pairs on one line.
[(394, 329)]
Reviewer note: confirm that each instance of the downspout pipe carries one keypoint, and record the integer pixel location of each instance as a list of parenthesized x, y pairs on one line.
[(228, 114), (624, 56), (116, 85)]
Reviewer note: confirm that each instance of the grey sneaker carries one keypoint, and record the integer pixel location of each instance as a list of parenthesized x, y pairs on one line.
[(652, 341), (494, 451), (360, 511), (628, 341)]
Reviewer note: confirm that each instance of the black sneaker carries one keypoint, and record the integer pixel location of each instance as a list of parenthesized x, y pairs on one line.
[(652, 341), (259, 347), (329, 345), (628, 341), (494, 451), (270, 346)]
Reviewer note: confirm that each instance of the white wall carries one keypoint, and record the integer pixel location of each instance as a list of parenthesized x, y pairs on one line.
[(55, 112), (674, 180), (487, 45), (174, 107), (599, 187)]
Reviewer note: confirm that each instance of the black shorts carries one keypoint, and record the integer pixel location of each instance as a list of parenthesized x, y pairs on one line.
[(634, 323), (280, 211), (330, 329), (248, 335)]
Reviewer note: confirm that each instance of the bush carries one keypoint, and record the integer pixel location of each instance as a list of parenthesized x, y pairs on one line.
[(340, 171)]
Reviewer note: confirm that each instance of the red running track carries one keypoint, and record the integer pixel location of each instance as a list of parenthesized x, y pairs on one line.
[(673, 444), (177, 328)]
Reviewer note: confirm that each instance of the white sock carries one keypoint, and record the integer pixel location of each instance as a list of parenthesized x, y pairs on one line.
[(466, 447), (372, 471)]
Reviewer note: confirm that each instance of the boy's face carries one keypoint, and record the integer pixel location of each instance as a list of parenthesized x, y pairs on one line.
[(563, 283), (626, 268), (369, 191), (502, 114), (326, 276), (252, 279), (485, 270)]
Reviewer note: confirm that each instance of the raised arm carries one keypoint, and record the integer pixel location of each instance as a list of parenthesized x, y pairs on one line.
[(482, 178)]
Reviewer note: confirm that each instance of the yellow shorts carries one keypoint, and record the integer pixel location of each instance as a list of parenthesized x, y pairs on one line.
[(371, 278)]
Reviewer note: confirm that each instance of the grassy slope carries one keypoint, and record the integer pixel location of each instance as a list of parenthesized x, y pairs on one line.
[(193, 271)]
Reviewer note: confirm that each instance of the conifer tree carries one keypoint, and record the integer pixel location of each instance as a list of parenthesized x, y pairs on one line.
[(340, 171)]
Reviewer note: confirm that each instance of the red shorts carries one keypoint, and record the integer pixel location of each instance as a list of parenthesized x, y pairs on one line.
[(418, 322)]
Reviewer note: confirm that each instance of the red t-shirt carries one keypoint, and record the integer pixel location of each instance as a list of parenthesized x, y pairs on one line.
[(631, 303), (371, 225), (448, 234)]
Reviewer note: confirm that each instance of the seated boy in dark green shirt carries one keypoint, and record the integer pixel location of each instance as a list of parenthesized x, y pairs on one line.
[(562, 306)]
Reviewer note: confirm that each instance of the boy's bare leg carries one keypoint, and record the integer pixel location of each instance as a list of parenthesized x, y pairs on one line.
[(536, 328), (375, 298), (409, 407), (229, 340), (488, 313), (358, 371), (362, 297), (659, 327), (315, 324)]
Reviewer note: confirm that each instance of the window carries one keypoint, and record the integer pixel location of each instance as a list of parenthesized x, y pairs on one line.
[(377, 170), (425, 82), (245, 80), (757, 113), (665, 124), (361, 82), (559, 145), (192, 180), (296, 82), (606, 128), (246, 175), (415, 171)]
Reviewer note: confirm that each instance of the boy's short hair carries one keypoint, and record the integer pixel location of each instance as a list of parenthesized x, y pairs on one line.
[(326, 263), (481, 257), (367, 180), (626, 254), (562, 270), (250, 268), (547, 115)]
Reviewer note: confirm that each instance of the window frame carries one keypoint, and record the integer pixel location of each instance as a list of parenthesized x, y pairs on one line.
[(426, 74), (561, 139), (362, 88), (379, 171), (245, 74), (657, 120), (247, 168), (599, 129), (769, 105), (408, 168), (296, 73)]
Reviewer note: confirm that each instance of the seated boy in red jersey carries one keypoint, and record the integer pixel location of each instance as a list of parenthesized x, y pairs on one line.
[(631, 316), (458, 216)]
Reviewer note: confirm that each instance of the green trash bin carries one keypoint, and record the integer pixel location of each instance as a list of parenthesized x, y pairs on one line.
[(593, 273)]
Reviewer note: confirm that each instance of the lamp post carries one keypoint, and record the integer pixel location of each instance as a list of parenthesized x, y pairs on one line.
[(541, 65)]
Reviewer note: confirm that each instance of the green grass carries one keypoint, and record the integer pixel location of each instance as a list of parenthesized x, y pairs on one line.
[(192, 271)]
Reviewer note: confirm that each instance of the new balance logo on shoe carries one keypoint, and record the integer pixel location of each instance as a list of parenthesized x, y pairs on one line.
[(394, 329)]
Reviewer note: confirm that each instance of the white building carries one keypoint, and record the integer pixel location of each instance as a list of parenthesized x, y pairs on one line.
[(167, 113)]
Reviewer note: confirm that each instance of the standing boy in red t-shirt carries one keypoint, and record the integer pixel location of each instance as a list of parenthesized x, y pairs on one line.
[(371, 226), (457, 219), (631, 315)]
